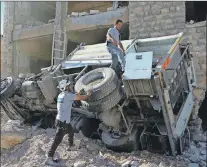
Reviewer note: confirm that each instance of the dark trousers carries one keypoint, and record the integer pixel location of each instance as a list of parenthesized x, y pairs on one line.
[(118, 60), (62, 129)]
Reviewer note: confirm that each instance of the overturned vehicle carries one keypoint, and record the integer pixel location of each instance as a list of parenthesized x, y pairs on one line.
[(149, 107)]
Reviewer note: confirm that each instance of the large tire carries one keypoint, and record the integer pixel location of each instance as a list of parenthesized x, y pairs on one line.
[(123, 144), (89, 128), (107, 102), (8, 88), (101, 89), (12, 112)]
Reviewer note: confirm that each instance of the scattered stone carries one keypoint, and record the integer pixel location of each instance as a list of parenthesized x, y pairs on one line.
[(202, 163), (193, 165), (194, 158), (202, 145), (191, 22), (148, 165), (110, 9), (199, 137), (75, 14), (126, 164), (28, 75), (21, 76), (93, 147), (193, 150), (51, 21), (134, 164), (130, 163), (161, 164), (203, 152), (186, 154), (77, 143), (83, 14), (94, 12), (203, 157), (80, 164)]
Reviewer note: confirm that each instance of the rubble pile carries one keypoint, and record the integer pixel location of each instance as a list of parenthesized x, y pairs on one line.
[(89, 153)]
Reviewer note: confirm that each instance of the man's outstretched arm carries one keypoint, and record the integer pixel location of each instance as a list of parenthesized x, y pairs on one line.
[(122, 48), (82, 97)]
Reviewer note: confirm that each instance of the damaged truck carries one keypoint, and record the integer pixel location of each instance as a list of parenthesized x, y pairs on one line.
[(147, 108)]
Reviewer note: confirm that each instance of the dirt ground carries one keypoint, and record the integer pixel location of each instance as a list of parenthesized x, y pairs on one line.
[(87, 153)]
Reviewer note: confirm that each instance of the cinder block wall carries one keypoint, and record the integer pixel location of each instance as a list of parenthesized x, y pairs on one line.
[(153, 19)]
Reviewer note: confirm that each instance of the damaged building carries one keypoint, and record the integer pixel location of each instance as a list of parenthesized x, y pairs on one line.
[(35, 32)]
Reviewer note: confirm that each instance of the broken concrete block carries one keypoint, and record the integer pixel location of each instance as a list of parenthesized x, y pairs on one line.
[(21, 76), (126, 164), (194, 158), (110, 9), (130, 164), (51, 21), (193, 165), (203, 157), (28, 75), (198, 137), (203, 152), (83, 14), (94, 12), (93, 147), (80, 164), (75, 14), (191, 22), (77, 143)]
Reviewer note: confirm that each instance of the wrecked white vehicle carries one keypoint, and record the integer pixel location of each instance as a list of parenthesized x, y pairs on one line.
[(149, 108)]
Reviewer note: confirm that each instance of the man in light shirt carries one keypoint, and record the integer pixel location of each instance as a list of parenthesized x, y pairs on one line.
[(113, 40), (64, 106)]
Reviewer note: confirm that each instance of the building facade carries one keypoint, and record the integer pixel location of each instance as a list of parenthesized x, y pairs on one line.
[(30, 27)]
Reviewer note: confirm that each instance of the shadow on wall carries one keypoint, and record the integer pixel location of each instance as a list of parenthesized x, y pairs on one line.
[(36, 65), (202, 113)]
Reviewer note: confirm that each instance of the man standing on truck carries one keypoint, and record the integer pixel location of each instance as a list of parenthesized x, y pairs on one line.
[(64, 106), (113, 40)]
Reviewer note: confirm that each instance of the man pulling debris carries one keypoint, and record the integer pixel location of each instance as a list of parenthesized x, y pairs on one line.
[(64, 106), (113, 41)]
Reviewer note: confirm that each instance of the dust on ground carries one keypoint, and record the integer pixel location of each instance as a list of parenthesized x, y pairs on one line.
[(89, 153)]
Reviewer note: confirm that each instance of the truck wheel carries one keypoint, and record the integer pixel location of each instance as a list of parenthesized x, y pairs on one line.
[(89, 127), (12, 112), (107, 102), (7, 88), (101, 82), (123, 144)]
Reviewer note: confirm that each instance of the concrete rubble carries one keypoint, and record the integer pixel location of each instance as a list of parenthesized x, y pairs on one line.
[(110, 9), (32, 149), (74, 14), (94, 12), (83, 14), (77, 14)]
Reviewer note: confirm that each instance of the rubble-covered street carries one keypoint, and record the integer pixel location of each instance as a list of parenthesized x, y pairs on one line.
[(88, 152)]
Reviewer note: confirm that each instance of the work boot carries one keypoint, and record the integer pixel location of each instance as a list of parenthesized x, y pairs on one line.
[(50, 161)]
